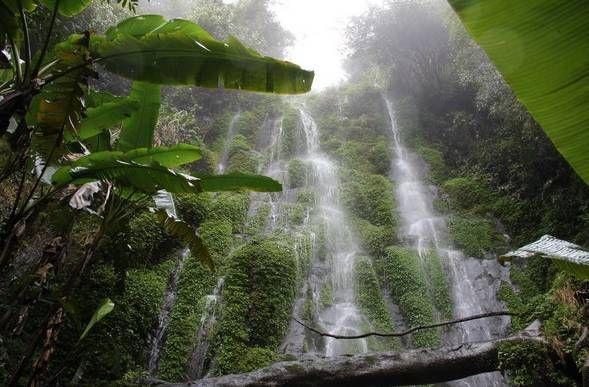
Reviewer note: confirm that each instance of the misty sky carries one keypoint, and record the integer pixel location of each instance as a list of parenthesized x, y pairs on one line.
[(318, 26)]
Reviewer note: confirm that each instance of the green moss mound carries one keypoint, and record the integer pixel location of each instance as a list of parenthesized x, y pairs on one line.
[(256, 312)]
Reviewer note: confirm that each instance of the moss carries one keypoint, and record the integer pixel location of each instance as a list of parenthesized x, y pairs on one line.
[(326, 295), (468, 192), (193, 208), (145, 237), (434, 159), (257, 222), (439, 290), (418, 310), (297, 173), (529, 364), (408, 286), (371, 302), (243, 161), (305, 197), (370, 197), (194, 284), (296, 213), (257, 311), (217, 236), (473, 234), (232, 207), (374, 239)]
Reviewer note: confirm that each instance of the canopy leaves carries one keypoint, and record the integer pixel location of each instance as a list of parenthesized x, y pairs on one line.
[(542, 49), (178, 52), (105, 307)]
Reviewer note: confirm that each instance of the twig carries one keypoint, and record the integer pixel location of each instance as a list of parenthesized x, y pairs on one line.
[(408, 331)]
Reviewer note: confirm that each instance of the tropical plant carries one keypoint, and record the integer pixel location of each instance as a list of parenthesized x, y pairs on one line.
[(55, 123), (546, 68)]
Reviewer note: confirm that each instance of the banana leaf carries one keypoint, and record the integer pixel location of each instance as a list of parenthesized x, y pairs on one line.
[(238, 182), (178, 52), (542, 49), (100, 118), (138, 130), (186, 234), (566, 255), (68, 7)]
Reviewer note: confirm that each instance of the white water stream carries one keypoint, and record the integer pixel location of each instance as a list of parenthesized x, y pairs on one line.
[(474, 282), (222, 164)]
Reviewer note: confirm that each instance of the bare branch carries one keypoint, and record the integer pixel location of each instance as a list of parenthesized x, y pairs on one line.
[(408, 331)]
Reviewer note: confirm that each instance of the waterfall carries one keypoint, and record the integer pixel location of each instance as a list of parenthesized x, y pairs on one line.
[(222, 164), (208, 321), (157, 337), (343, 316), (474, 282), (334, 270)]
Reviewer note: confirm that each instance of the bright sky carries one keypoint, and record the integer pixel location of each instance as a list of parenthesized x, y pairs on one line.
[(319, 26)]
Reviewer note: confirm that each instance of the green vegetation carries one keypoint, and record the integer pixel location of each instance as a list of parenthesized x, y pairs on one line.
[(368, 293), (407, 283), (473, 234), (256, 312), (297, 173), (195, 283)]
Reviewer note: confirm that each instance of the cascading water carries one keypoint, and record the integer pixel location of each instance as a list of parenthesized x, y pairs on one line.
[(208, 321), (474, 282), (222, 164), (336, 269), (343, 316), (156, 339)]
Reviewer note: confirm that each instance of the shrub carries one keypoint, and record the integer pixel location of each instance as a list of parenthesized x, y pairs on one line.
[(232, 207)]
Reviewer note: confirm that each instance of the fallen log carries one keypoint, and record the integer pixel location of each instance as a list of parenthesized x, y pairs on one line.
[(420, 366)]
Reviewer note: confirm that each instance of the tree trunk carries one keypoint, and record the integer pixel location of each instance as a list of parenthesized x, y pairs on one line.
[(419, 366)]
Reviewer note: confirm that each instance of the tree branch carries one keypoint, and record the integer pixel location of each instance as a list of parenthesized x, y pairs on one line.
[(408, 331), (412, 367)]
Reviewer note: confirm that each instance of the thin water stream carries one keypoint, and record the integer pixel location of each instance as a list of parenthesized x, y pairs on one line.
[(474, 282)]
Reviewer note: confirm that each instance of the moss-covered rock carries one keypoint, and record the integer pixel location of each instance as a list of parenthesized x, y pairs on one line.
[(256, 312), (473, 234), (194, 284), (371, 302)]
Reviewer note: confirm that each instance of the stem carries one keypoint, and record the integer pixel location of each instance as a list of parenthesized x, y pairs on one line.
[(27, 41), (16, 58), (47, 40), (408, 331)]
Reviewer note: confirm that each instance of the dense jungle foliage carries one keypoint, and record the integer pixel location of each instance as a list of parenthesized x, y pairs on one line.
[(99, 287)]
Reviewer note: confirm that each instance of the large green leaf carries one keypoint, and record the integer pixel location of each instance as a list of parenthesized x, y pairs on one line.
[(186, 234), (143, 178), (566, 255), (68, 7), (178, 52), (238, 182), (169, 157), (103, 309), (542, 49), (105, 116), (138, 130), (111, 163)]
